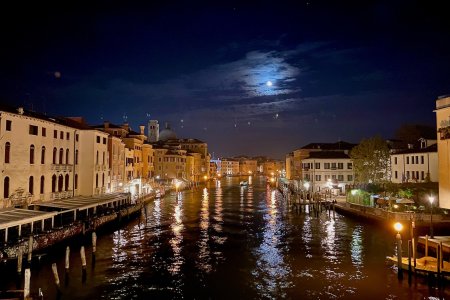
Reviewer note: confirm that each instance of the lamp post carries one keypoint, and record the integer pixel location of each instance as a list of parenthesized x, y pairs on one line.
[(398, 227), (431, 198)]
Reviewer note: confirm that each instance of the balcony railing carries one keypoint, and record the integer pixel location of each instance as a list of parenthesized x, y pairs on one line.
[(61, 168)]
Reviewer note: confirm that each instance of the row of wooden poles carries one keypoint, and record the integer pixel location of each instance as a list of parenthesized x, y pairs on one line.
[(27, 274), (314, 206)]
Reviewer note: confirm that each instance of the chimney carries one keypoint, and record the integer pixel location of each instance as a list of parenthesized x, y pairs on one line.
[(142, 128), (106, 124)]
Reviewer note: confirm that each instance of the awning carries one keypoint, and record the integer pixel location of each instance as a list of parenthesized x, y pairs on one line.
[(11, 217)]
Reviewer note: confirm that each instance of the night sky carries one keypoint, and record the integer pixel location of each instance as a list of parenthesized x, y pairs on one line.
[(260, 78)]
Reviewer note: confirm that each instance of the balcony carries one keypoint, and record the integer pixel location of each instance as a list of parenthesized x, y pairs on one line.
[(61, 167)]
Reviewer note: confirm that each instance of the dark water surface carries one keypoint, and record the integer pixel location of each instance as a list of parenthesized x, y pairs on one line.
[(226, 242)]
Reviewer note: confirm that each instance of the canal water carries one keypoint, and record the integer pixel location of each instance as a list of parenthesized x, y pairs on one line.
[(231, 242)]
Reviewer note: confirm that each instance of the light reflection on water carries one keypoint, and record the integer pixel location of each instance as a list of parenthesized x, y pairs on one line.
[(229, 241), (271, 273)]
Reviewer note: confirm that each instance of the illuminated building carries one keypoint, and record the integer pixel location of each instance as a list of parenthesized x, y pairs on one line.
[(443, 145)]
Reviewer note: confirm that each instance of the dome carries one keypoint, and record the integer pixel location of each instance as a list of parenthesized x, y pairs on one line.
[(167, 134)]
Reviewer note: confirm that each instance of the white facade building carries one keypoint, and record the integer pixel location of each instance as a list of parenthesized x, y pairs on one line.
[(415, 165), (328, 169), (37, 158), (229, 167)]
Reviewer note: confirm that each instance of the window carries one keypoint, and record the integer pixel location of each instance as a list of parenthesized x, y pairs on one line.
[(8, 128), (417, 159), (30, 185), (395, 160), (318, 177), (317, 166), (98, 140), (326, 165), (76, 157), (6, 188), (349, 177), (407, 174), (60, 183), (333, 176), (349, 166), (42, 184), (333, 166), (61, 156), (66, 182), (53, 183), (422, 160), (67, 156), (96, 180), (32, 154), (33, 130), (76, 181), (340, 166), (43, 155), (407, 160), (61, 135), (341, 177), (412, 160), (54, 155), (327, 177), (67, 135), (104, 141), (103, 179), (55, 134), (103, 160), (96, 159), (44, 131), (76, 137), (422, 175), (7, 153)]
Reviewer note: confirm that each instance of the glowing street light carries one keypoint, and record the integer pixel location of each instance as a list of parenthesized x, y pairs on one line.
[(398, 227), (177, 185), (431, 198), (205, 177)]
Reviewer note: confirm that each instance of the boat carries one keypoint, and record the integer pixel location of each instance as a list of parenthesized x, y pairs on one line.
[(424, 265), (243, 183)]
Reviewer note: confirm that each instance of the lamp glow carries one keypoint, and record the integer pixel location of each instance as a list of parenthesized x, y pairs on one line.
[(398, 226)]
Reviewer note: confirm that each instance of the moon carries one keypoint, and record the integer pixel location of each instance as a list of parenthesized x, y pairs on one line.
[(269, 83)]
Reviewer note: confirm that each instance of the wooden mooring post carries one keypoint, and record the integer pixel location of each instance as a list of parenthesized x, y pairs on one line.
[(19, 260), (30, 249), (55, 274), (83, 264), (26, 285), (67, 265)]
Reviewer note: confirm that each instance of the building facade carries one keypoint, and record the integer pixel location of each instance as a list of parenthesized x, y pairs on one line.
[(443, 142), (415, 165)]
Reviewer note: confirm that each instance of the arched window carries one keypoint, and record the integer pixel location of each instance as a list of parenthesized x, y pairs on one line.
[(76, 157), (61, 156), (7, 152), (60, 183), (54, 155), (96, 180), (32, 154), (67, 182), (103, 179), (76, 181), (42, 184), (43, 155), (53, 183), (31, 185), (67, 156), (6, 188), (103, 157), (96, 159)]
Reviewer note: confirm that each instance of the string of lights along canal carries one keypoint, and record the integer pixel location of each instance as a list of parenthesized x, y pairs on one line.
[(227, 240)]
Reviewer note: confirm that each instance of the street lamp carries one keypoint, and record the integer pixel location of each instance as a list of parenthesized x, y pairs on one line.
[(398, 227), (306, 186), (431, 198)]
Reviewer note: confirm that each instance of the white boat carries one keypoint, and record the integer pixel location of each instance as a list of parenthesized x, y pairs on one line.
[(243, 183)]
